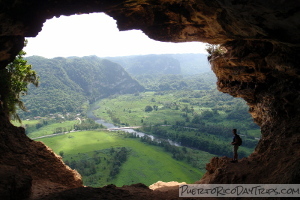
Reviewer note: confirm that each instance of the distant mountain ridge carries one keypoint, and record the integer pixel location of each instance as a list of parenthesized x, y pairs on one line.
[(178, 64), (66, 83)]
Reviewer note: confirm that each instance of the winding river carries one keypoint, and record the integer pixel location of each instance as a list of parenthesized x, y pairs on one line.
[(91, 115)]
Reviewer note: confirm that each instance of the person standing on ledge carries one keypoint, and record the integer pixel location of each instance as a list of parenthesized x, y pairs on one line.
[(236, 142)]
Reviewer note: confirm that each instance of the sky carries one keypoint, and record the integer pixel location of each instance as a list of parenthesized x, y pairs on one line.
[(97, 34)]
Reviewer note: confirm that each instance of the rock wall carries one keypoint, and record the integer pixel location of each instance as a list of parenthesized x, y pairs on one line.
[(27, 166), (261, 65)]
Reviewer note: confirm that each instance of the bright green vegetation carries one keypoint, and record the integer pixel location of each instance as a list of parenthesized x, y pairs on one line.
[(171, 107), (46, 126), (162, 82), (25, 122), (14, 81), (130, 109), (144, 163), (64, 126), (58, 123), (68, 84), (201, 119)]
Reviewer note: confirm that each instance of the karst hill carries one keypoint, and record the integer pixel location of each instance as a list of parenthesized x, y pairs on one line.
[(259, 62)]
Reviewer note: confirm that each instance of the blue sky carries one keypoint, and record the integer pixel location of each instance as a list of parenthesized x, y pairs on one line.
[(97, 34)]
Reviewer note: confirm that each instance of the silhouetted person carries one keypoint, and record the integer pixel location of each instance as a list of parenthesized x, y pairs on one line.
[(236, 142)]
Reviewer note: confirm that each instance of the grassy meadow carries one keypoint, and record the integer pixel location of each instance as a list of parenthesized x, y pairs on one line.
[(146, 163), (25, 122), (48, 130), (185, 116), (131, 109), (173, 106)]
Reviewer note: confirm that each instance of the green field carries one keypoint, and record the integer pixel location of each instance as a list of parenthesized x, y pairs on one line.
[(48, 130), (130, 109), (25, 122), (198, 119), (177, 106), (146, 163)]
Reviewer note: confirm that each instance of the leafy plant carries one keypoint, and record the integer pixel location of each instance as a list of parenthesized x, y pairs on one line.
[(215, 50), (14, 80)]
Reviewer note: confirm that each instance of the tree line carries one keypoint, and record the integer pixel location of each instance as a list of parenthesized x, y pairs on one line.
[(109, 160), (211, 142)]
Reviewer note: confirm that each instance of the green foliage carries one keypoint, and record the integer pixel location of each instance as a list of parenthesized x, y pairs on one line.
[(215, 50), (178, 153), (61, 153), (49, 127), (238, 113), (14, 81), (68, 84), (149, 64), (130, 161), (25, 123), (152, 82), (196, 107), (148, 108), (201, 119), (212, 139), (87, 124)]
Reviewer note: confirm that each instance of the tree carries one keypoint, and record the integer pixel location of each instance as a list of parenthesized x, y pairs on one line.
[(207, 114), (148, 108), (14, 81), (61, 153)]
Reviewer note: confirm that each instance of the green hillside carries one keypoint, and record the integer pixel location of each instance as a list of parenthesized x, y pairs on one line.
[(167, 82), (67, 84)]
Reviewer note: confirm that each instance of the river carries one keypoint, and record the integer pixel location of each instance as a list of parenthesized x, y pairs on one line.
[(91, 115)]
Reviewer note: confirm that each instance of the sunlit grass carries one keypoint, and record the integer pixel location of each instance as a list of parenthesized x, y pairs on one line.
[(50, 129), (131, 109), (25, 122), (146, 163)]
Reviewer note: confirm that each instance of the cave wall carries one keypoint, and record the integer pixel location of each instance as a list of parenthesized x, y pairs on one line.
[(260, 65), (27, 166)]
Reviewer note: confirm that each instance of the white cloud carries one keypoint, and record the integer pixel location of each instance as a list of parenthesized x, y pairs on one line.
[(97, 34)]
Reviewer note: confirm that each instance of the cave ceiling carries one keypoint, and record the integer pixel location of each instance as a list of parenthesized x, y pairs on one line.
[(212, 21)]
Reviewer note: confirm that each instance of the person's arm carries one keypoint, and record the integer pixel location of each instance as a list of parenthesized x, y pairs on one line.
[(235, 140)]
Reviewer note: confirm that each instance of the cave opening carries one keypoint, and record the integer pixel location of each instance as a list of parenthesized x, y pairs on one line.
[(85, 41)]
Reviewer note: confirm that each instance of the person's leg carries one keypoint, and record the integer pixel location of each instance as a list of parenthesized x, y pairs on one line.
[(235, 156)]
